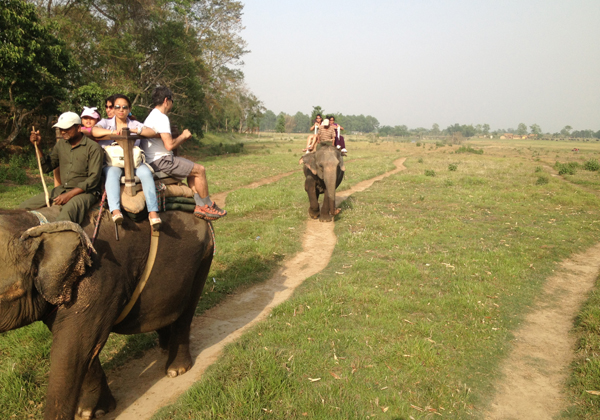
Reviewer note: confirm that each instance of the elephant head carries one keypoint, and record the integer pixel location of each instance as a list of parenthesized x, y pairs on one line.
[(327, 165), (44, 261)]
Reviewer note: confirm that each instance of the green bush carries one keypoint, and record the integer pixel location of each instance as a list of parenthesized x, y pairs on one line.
[(3, 173), (591, 165), (17, 175), (223, 149), (452, 167), (538, 169), (566, 168), (429, 172), (469, 149), (418, 144), (542, 180), (17, 161), (420, 160)]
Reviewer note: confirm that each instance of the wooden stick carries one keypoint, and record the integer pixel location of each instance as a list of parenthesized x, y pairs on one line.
[(37, 155)]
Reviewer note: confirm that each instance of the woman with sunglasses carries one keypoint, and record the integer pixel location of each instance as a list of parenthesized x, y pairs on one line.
[(340, 143), (121, 120), (312, 139)]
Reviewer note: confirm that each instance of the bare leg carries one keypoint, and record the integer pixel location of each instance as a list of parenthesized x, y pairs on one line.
[(197, 179), (310, 141)]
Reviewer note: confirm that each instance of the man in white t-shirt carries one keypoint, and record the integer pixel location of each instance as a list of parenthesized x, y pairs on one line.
[(159, 155)]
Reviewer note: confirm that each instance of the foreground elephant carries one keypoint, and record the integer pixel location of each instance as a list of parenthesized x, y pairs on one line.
[(48, 276), (324, 171)]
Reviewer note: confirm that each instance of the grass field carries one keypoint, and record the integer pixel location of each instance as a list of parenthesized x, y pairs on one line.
[(433, 270)]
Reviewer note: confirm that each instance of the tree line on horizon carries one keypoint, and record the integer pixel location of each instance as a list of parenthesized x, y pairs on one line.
[(62, 56), (300, 123), (483, 130)]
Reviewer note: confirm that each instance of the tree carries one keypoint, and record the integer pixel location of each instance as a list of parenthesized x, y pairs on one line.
[(435, 129), (290, 123), (268, 120), (522, 129), (193, 47), (36, 66), (535, 129), (303, 122), (280, 124), (385, 130), (316, 110), (566, 131), (486, 129), (401, 130)]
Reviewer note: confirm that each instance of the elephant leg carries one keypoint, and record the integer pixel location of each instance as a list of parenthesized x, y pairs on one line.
[(180, 359), (325, 216), (164, 335), (77, 340), (96, 399), (310, 186)]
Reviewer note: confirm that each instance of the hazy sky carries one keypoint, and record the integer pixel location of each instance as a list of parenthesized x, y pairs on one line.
[(421, 62)]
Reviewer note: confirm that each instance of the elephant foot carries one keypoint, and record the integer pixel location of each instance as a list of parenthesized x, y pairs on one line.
[(105, 404), (96, 399), (180, 365)]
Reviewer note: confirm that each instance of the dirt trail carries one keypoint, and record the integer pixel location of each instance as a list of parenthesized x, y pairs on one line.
[(220, 198), (535, 373), (141, 387)]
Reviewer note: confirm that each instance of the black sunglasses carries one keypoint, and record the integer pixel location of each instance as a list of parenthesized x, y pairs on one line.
[(125, 107), (109, 107)]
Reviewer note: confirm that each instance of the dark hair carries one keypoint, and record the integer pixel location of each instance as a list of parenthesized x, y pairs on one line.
[(119, 96), (318, 115), (330, 116), (160, 94), (110, 99)]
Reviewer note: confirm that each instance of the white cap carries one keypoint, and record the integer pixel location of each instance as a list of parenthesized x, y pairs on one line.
[(90, 112), (67, 120), (326, 121)]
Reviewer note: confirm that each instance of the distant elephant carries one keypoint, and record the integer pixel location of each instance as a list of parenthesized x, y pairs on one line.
[(47, 275), (324, 172)]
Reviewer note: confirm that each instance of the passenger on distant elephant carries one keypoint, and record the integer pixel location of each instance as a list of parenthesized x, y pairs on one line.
[(340, 143), (80, 162), (113, 174), (159, 155), (312, 139), (326, 133)]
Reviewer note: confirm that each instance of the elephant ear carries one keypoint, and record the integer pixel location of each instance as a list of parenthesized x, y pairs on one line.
[(309, 160), (61, 258)]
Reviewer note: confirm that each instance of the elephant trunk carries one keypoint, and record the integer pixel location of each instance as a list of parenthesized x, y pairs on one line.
[(330, 183)]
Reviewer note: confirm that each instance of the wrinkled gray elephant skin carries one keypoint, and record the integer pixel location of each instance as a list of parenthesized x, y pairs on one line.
[(324, 172), (48, 275)]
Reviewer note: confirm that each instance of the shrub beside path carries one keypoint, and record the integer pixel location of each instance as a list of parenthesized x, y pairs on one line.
[(535, 373), (141, 387)]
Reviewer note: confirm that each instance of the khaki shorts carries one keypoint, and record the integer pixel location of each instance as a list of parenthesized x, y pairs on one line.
[(175, 166)]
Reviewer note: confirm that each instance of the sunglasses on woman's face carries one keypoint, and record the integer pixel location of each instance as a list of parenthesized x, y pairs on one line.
[(124, 107), (109, 107)]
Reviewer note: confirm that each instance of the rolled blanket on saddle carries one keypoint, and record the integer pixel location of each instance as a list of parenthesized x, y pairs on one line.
[(171, 197)]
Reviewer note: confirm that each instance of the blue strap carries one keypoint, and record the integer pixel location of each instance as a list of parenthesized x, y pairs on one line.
[(40, 217)]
